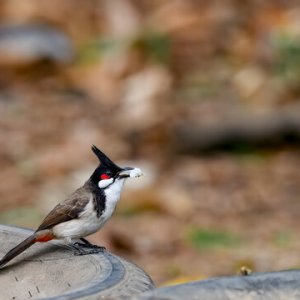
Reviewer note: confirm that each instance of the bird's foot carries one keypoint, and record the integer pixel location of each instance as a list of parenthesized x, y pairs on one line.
[(96, 247), (85, 249), (79, 252)]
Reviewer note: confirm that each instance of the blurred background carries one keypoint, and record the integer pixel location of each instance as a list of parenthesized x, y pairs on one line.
[(203, 96)]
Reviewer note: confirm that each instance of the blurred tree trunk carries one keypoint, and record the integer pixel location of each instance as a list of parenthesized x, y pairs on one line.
[(269, 129)]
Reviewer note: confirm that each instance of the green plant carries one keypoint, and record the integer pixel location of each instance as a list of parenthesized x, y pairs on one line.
[(287, 55), (206, 239)]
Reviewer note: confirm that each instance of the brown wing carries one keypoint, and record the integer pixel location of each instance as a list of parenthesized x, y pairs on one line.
[(65, 211)]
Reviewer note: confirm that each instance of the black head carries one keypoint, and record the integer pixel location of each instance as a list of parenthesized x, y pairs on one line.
[(105, 161), (106, 169), (108, 173)]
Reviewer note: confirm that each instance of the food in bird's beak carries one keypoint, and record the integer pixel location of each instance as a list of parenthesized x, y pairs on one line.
[(136, 172), (130, 173)]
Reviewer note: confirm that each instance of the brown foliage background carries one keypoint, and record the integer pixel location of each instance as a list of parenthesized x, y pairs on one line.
[(133, 74)]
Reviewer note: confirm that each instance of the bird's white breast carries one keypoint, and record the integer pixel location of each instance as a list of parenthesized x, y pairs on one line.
[(88, 222)]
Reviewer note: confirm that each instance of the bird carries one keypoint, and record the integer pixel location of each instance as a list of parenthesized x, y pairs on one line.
[(84, 212)]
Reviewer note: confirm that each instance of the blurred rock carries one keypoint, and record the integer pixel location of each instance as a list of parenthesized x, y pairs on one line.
[(249, 80), (260, 90), (88, 17), (25, 44), (144, 98), (122, 17)]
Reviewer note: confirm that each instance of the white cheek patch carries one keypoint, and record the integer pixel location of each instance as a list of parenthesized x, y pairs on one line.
[(136, 172), (105, 183)]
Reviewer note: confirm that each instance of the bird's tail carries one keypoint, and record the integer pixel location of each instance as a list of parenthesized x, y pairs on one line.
[(17, 250)]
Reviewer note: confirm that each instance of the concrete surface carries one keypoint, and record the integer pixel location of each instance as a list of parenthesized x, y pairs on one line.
[(283, 285), (51, 271)]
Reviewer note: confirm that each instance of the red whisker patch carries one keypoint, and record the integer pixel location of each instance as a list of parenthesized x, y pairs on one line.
[(104, 176)]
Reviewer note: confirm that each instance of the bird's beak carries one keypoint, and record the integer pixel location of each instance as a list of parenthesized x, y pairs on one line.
[(130, 173)]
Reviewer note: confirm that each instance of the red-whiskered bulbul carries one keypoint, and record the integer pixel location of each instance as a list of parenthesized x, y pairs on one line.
[(84, 212)]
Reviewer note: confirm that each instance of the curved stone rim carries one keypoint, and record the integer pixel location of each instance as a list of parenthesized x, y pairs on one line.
[(97, 285), (283, 284), (118, 270)]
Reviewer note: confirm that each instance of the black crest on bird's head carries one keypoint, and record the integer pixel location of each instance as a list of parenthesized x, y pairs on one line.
[(106, 166), (105, 161)]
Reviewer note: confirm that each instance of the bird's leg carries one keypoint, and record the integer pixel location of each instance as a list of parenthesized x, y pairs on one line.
[(86, 242), (77, 250)]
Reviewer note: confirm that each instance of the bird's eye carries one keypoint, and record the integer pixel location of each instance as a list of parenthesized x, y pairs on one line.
[(104, 176)]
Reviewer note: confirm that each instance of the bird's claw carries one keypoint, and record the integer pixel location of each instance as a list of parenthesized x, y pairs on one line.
[(89, 246), (85, 249), (79, 252), (96, 247)]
